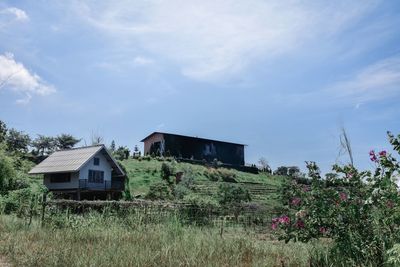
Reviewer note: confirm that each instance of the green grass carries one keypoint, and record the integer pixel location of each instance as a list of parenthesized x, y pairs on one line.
[(109, 241), (143, 173)]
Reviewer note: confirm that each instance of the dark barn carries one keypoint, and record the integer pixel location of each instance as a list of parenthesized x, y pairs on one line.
[(188, 147)]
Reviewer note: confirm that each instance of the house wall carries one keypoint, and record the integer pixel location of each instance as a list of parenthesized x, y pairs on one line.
[(158, 137), (103, 166), (73, 184)]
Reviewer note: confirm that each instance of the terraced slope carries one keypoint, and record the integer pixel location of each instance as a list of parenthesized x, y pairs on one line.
[(263, 188)]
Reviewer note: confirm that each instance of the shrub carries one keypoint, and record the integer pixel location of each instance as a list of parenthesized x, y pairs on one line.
[(159, 191), (166, 171), (359, 211)]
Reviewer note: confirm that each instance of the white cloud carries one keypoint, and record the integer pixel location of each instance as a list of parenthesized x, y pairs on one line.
[(212, 39), (14, 76), (377, 81), (16, 13), (142, 61)]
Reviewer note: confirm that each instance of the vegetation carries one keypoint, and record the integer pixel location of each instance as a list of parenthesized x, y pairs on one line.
[(358, 211), (108, 240)]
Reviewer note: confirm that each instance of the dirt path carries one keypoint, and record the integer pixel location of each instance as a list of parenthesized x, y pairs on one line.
[(3, 262)]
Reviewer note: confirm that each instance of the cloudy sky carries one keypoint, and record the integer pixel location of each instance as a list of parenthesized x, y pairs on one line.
[(280, 76)]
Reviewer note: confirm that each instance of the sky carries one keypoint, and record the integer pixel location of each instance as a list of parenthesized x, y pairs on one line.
[(282, 77)]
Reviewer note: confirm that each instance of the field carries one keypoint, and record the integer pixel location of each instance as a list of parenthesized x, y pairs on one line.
[(104, 240)]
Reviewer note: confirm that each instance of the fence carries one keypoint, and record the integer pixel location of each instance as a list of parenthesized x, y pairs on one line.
[(246, 215)]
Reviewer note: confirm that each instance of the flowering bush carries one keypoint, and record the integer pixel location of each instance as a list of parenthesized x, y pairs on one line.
[(358, 211)]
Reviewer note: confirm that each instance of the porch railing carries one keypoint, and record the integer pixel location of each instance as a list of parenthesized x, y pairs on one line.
[(106, 185)]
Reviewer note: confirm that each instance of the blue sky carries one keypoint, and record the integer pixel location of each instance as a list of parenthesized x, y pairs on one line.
[(280, 76)]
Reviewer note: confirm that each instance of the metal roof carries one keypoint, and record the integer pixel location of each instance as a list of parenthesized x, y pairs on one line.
[(73, 160), (193, 137)]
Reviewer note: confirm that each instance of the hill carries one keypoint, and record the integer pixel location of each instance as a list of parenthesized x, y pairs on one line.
[(263, 188)]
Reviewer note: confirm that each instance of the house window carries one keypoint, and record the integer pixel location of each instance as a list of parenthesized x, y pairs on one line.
[(96, 177), (60, 178), (96, 161)]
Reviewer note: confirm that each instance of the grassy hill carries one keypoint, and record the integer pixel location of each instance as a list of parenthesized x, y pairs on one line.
[(263, 188)]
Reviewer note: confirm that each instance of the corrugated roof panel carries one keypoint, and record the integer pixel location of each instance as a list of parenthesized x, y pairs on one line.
[(66, 160)]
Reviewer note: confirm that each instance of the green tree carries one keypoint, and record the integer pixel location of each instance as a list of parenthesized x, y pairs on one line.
[(17, 141), (122, 153), (44, 145), (7, 173), (112, 146), (3, 131), (66, 141)]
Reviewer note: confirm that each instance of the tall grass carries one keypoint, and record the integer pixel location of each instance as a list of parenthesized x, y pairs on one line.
[(104, 240)]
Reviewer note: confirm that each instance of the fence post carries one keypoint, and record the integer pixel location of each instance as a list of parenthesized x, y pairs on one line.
[(44, 199)]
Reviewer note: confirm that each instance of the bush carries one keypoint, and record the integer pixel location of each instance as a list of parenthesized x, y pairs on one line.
[(232, 194), (166, 172), (159, 191), (359, 211), (221, 174)]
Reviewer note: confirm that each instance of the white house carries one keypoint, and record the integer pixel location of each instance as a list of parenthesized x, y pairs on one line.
[(85, 172)]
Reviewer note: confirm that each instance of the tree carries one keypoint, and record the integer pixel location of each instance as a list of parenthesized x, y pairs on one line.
[(293, 171), (17, 141), (44, 145), (264, 164), (282, 170), (7, 173), (112, 146), (3, 131), (66, 141), (122, 153)]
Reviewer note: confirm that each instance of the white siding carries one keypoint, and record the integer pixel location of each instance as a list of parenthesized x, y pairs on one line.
[(54, 186), (103, 166)]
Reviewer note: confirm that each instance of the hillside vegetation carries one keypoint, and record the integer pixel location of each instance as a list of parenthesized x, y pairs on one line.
[(263, 188)]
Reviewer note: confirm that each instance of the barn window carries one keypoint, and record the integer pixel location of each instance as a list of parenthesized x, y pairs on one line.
[(96, 176), (60, 178), (96, 161)]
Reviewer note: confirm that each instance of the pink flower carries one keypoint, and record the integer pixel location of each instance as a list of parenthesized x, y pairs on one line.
[(296, 201), (343, 196), (284, 219), (372, 156), (322, 230), (300, 224), (382, 153), (274, 226), (275, 220)]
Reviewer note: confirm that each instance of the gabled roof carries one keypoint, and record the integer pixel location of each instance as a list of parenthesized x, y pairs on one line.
[(72, 160), (193, 137)]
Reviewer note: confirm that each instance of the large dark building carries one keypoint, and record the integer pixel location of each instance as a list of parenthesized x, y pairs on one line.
[(188, 147)]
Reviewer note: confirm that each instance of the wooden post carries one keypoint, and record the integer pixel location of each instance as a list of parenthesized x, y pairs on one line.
[(43, 208)]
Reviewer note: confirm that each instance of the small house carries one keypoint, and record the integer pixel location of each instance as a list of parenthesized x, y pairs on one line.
[(88, 172)]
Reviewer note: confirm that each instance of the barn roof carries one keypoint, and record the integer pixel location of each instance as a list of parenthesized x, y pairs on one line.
[(193, 137), (72, 160)]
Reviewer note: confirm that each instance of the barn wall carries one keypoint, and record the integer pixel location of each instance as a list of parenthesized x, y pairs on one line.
[(188, 147), (158, 137)]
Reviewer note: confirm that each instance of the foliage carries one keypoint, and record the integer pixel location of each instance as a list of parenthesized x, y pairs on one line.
[(166, 172), (3, 131), (229, 194), (66, 141), (220, 174), (17, 141), (359, 211), (282, 170), (112, 146), (7, 173), (159, 190), (44, 145), (122, 153)]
